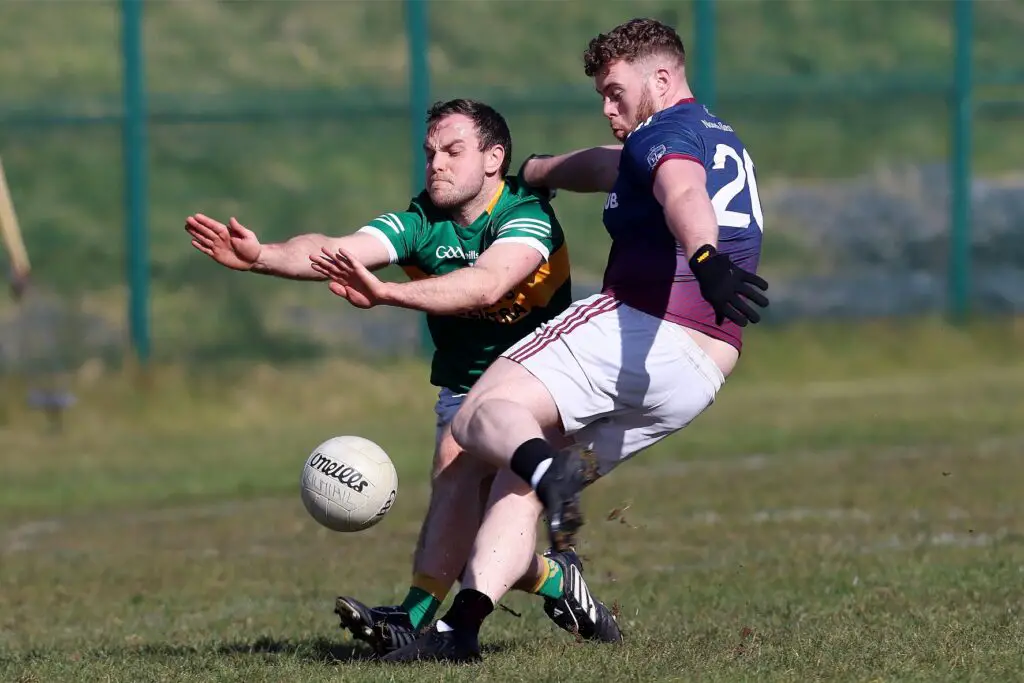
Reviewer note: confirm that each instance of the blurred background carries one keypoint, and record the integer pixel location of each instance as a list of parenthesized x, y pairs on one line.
[(888, 144), (155, 408)]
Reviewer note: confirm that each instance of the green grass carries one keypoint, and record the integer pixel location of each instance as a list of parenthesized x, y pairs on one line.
[(848, 510)]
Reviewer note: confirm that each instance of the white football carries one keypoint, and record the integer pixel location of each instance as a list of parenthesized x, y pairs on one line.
[(348, 483)]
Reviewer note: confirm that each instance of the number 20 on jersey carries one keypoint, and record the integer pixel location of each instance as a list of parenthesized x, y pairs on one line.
[(744, 179)]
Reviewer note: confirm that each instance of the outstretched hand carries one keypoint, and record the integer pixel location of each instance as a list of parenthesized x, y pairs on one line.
[(349, 278), (232, 245)]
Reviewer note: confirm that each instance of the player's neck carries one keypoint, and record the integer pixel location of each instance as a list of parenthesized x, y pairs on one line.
[(469, 212), (675, 96)]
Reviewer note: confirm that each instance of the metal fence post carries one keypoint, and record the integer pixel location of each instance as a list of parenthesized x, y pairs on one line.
[(417, 35), (134, 150), (962, 113), (705, 28)]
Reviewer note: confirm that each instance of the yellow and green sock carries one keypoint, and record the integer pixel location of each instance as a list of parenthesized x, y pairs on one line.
[(550, 582), (424, 598)]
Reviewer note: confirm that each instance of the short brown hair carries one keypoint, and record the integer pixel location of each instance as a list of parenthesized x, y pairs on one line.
[(491, 126), (636, 39)]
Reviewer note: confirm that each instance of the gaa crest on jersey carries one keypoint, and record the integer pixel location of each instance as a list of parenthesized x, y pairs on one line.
[(655, 155)]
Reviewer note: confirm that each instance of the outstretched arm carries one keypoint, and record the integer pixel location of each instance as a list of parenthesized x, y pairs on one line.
[(290, 259), (235, 246), (498, 270), (586, 170)]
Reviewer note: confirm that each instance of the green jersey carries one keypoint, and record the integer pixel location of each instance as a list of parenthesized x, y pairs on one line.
[(425, 242)]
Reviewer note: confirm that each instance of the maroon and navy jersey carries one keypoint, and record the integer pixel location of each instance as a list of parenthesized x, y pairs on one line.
[(647, 268)]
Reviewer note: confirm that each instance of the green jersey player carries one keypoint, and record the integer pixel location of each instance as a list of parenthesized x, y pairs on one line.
[(427, 242), (488, 263)]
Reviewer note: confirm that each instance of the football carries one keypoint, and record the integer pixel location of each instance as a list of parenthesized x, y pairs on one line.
[(348, 483)]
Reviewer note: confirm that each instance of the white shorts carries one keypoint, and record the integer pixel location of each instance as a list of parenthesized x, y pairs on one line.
[(622, 380), (448, 403)]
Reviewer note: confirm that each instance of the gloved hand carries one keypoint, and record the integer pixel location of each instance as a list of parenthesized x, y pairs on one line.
[(725, 285), (548, 193)]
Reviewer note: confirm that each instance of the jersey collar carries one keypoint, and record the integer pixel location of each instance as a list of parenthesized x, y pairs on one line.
[(494, 200), (685, 100)]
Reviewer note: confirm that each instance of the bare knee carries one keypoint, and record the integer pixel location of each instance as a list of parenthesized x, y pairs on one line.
[(465, 425), (453, 465), (506, 403), (493, 428)]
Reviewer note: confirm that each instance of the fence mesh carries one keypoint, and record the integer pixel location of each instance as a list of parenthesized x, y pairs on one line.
[(294, 117)]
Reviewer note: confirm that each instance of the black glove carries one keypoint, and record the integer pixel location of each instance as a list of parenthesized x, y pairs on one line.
[(547, 192), (722, 283)]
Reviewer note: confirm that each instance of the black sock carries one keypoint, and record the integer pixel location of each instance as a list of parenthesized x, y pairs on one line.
[(468, 610), (531, 460)]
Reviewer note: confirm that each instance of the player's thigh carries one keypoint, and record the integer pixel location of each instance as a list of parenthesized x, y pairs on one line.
[(508, 381), (611, 440), (452, 466), (542, 369), (445, 408), (632, 362), (446, 453), (607, 443), (446, 450), (573, 357)]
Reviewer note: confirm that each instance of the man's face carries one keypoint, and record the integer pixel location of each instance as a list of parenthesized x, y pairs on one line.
[(456, 166), (628, 100)]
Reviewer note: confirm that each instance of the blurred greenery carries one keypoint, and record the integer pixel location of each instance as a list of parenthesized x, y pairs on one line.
[(293, 116)]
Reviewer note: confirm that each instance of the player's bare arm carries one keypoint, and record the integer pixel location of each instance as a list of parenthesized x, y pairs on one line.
[(291, 258), (584, 170), (680, 186), (499, 269), (237, 247)]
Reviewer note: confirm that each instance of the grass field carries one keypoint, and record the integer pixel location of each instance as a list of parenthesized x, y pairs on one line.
[(849, 510)]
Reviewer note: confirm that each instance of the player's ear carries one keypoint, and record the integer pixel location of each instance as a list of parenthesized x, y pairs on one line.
[(493, 159), (662, 81)]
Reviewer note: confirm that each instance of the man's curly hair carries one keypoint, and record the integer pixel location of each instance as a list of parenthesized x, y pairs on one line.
[(635, 40)]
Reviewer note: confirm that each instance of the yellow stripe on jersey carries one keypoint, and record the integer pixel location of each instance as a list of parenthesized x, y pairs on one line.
[(495, 198), (541, 286)]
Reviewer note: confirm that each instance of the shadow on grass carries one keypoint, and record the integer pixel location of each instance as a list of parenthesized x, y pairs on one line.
[(322, 650), (325, 651), (313, 650)]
